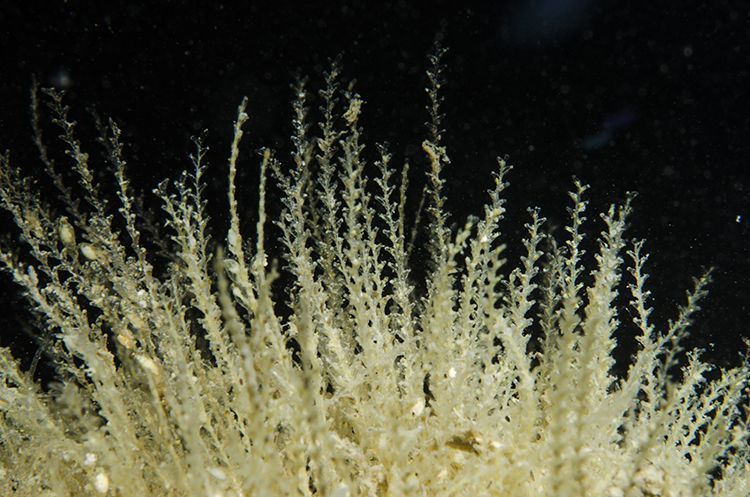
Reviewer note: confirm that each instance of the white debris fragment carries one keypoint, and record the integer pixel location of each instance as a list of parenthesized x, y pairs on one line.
[(101, 483)]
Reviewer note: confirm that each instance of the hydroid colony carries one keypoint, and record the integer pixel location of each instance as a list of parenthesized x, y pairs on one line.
[(198, 380)]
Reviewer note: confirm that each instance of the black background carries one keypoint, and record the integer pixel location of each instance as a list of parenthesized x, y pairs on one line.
[(627, 96)]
